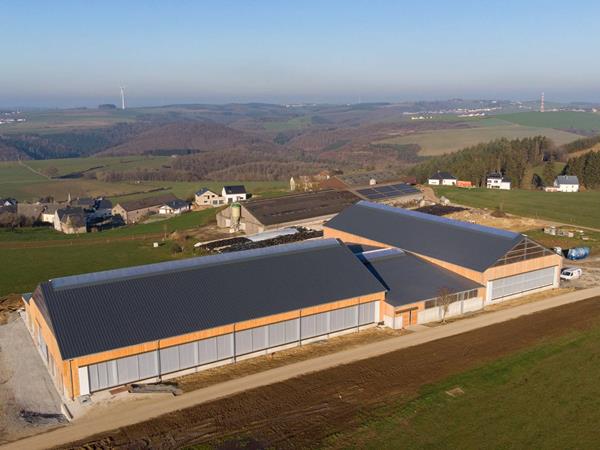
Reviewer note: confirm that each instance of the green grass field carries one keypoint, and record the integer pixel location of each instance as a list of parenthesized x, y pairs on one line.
[(116, 164), (544, 397), (25, 185), (23, 269), (579, 208), (31, 255), (555, 119), (437, 142), (292, 124)]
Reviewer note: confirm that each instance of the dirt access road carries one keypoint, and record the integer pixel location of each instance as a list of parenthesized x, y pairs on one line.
[(280, 408)]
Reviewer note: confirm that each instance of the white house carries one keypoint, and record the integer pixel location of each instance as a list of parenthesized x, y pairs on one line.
[(442, 178), (566, 183), (234, 193), (497, 181), (174, 207), (206, 197)]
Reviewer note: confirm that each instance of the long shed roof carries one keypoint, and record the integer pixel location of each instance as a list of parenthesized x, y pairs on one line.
[(303, 206), (411, 279), (468, 245), (102, 311)]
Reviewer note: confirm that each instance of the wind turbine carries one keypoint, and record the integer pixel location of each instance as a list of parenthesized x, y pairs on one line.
[(122, 97)]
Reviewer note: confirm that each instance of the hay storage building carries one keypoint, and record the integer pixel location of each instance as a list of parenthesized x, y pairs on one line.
[(505, 264), (306, 209), (106, 329)]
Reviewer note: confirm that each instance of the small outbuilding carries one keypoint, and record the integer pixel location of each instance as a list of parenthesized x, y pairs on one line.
[(174, 207), (442, 179)]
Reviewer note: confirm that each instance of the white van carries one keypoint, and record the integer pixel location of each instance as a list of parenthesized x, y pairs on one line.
[(571, 273)]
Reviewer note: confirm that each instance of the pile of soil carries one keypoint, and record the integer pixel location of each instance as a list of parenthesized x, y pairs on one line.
[(9, 304)]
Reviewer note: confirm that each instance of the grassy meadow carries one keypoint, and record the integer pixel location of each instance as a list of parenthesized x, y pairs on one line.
[(576, 208), (565, 120), (542, 397), (17, 180), (438, 142), (31, 255)]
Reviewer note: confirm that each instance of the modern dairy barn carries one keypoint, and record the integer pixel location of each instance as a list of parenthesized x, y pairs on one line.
[(152, 322), (377, 265), (504, 264)]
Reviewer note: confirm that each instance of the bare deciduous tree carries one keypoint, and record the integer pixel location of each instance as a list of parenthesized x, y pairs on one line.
[(444, 300)]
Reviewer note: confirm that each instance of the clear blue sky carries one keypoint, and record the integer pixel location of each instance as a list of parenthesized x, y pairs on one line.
[(67, 53)]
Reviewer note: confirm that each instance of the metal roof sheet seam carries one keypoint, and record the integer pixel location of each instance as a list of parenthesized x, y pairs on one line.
[(440, 219), (185, 264)]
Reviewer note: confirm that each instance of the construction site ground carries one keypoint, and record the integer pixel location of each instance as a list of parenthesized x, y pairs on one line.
[(304, 411)]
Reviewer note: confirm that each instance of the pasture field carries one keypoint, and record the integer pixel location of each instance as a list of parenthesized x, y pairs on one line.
[(16, 180), (188, 221), (438, 142), (545, 396), (117, 164), (53, 121), (31, 255), (576, 208), (292, 124), (564, 120), (24, 268)]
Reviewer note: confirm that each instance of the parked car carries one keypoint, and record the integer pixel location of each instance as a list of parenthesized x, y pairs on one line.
[(571, 273)]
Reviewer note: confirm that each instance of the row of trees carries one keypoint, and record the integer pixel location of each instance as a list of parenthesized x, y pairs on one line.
[(587, 168), (514, 158)]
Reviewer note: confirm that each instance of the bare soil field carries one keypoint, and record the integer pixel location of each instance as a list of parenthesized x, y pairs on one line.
[(303, 411)]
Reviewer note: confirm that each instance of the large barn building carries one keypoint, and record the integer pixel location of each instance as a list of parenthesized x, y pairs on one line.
[(377, 264), (306, 209), (504, 263), (152, 322)]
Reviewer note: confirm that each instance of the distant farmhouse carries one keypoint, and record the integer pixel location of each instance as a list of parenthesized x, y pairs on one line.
[(132, 211), (497, 181), (70, 220), (442, 179), (567, 183), (205, 198), (174, 207), (234, 193)]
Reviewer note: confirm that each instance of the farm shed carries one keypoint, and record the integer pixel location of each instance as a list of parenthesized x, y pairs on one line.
[(306, 209), (105, 329), (415, 285), (507, 264), (133, 210)]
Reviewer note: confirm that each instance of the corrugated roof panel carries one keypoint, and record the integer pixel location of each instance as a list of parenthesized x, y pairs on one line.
[(95, 313), (410, 279), (468, 245)]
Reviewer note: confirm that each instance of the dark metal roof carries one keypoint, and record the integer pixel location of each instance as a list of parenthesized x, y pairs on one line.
[(297, 207), (148, 202), (468, 245), (176, 204), (106, 310), (205, 189), (410, 279), (567, 179), (364, 178), (387, 191), (232, 190), (442, 176)]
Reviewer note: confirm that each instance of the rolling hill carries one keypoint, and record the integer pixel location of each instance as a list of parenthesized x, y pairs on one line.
[(188, 137)]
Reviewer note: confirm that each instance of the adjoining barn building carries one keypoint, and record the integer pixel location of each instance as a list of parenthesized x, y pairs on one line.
[(505, 264), (306, 209), (152, 322), (132, 211)]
